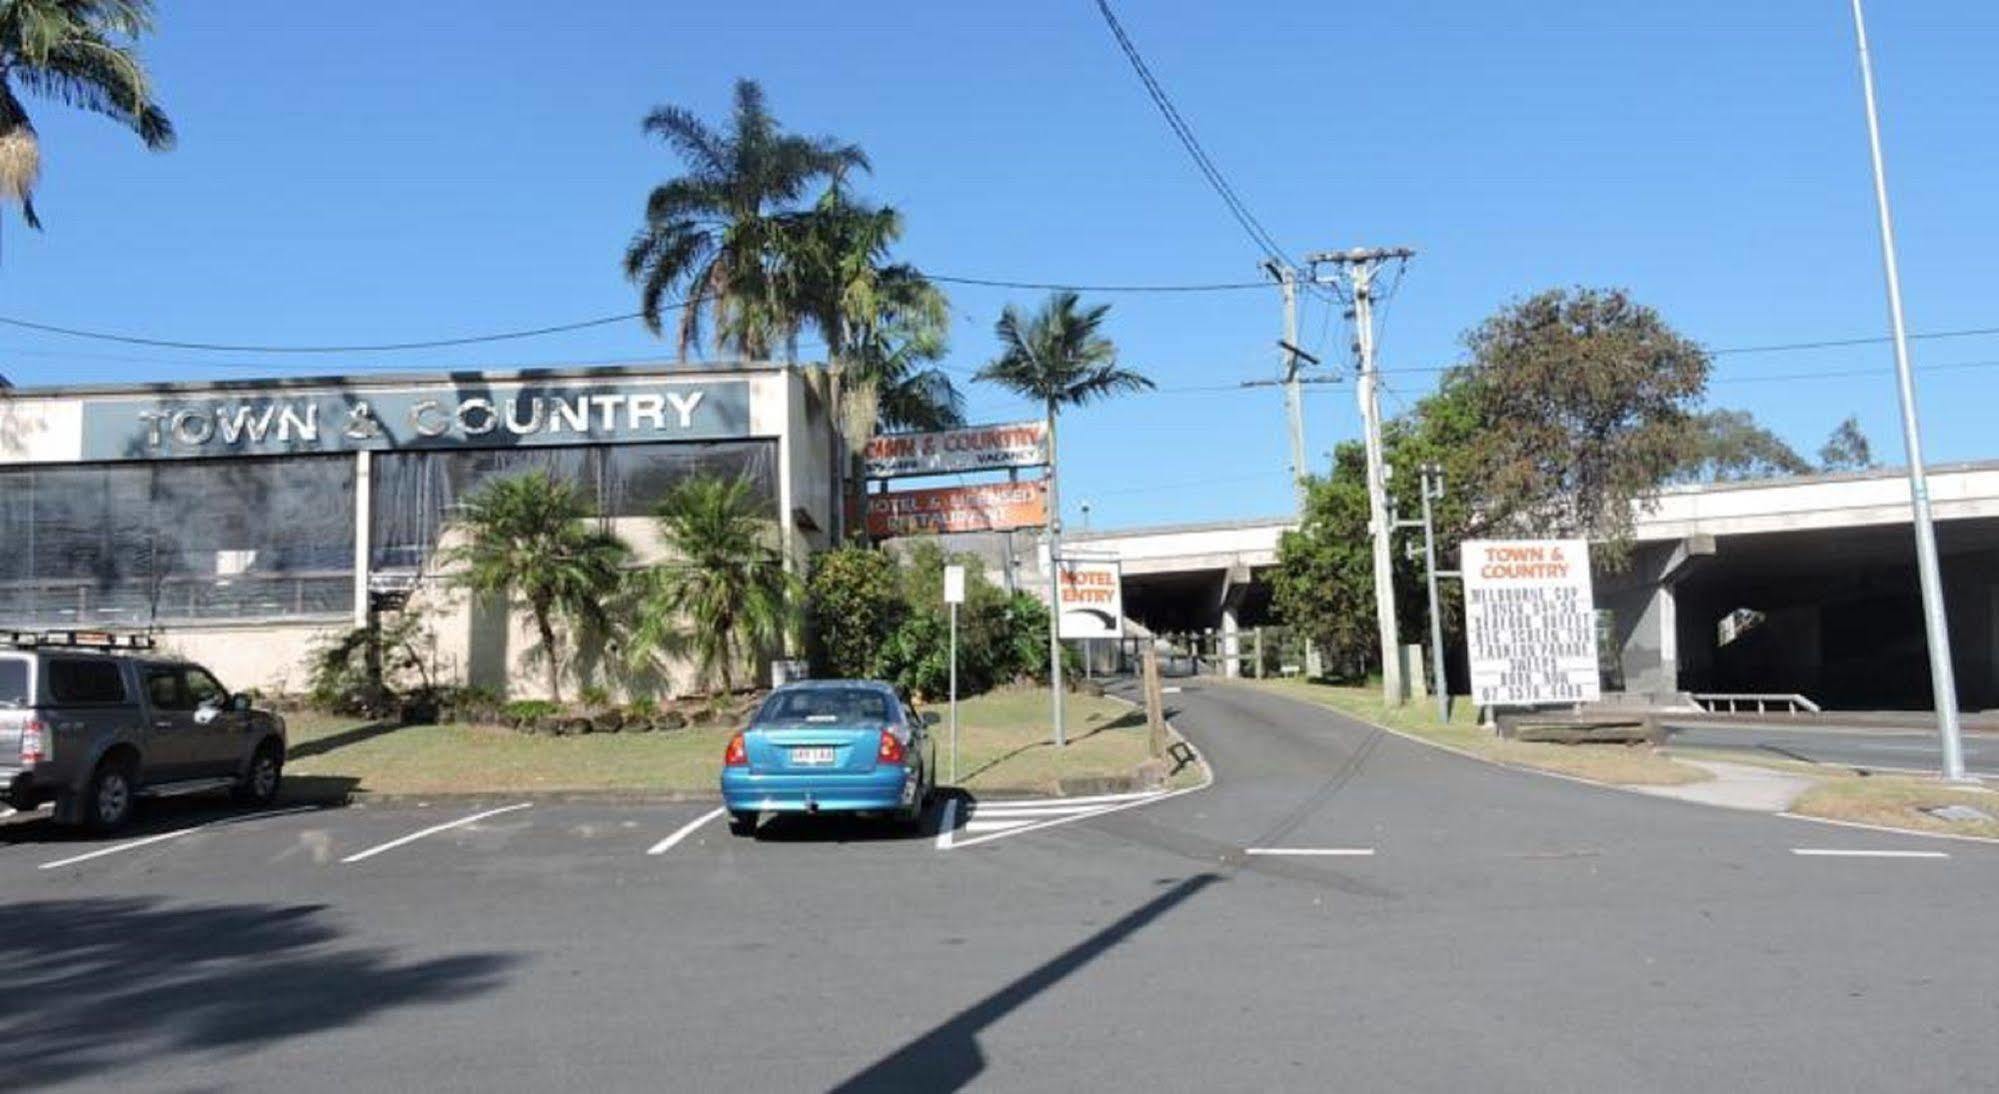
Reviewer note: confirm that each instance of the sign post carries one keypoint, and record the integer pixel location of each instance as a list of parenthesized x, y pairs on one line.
[(1530, 622), (954, 595)]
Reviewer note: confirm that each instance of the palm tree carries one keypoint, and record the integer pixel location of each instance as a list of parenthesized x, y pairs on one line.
[(529, 538), (79, 53), (725, 595), (725, 235), (1058, 358), (885, 324)]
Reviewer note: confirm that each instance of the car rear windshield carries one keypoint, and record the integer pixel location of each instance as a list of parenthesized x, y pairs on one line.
[(13, 681), (826, 704)]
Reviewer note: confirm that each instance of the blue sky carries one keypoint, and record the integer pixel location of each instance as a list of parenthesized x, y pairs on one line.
[(372, 172)]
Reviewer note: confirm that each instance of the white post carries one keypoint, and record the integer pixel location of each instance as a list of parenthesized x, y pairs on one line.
[(954, 594), (1943, 685), (1054, 582), (364, 504), (1380, 527)]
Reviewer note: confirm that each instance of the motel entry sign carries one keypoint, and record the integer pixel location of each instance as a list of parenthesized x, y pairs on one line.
[(1530, 622), (1092, 598)]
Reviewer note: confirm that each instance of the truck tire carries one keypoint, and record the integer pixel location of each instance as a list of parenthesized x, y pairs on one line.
[(259, 784), (107, 802)]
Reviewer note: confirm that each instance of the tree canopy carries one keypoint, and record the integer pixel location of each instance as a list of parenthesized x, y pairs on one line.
[(79, 53)]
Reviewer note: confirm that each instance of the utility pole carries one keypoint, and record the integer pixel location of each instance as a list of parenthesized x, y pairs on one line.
[(1055, 582), (1943, 685), (1360, 265), (1294, 404), (1433, 489)]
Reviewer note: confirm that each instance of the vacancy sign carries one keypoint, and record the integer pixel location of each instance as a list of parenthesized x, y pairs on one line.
[(1530, 622), (1092, 591), (973, 448)]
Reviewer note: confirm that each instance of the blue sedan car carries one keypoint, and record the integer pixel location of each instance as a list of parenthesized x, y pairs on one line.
[(829, 746)]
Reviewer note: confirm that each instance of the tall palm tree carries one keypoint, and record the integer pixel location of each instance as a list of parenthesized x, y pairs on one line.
[(79, 53), (725, 594), (1058, 358), (529, 538), (725, 236), (885, 324)]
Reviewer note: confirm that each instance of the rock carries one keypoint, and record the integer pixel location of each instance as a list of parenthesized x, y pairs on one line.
[(668, 720)]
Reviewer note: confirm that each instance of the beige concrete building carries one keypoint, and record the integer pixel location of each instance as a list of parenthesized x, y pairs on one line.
[(243, 521)]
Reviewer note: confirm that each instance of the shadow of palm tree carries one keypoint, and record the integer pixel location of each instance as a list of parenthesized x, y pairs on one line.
[(103, 984)]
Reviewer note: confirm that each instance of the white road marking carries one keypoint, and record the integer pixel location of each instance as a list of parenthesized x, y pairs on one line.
[(7, 811), (949, 821), (1827, 852), (432, 830), (1071, 818), (684, 831), (1169, 691), (1352, 852), (976, 825), (147, 841), (1036, 803), (1019, 811)]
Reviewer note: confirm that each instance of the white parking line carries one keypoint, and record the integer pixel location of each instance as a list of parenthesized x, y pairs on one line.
[(147, 841), (1348, 852), (944, 826), (684, 831), (433, 830), (1828, 852), (1033, 825), (7, 811)]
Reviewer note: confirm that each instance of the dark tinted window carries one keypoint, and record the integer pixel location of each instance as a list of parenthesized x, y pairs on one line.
[(163, 690), (85, 680), (13, 681)]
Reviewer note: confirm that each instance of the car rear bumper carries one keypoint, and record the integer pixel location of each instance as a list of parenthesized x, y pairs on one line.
[(888, 786)]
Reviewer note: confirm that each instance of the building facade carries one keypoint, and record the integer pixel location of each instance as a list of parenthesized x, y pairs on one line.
[(243, 522)]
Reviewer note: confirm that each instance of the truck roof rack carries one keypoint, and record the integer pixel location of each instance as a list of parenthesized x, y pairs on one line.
[(84, 640)]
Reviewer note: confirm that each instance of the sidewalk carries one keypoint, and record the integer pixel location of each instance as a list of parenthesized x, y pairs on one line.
[(1738, 786)]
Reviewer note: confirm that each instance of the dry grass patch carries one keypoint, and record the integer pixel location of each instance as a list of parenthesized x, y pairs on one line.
[(1897, 802), (1624, 765), (1003, 743)]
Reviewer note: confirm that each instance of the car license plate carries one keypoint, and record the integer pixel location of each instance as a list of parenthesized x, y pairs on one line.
[(812, 757)]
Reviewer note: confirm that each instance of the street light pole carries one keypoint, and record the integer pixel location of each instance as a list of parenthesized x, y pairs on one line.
[(1055, 580), (1943, 685)]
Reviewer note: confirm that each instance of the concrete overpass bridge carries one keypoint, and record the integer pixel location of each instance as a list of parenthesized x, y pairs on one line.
[(1802, 584)]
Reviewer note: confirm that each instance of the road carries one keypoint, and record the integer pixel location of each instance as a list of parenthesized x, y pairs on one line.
[(1482, 928), (1871, 749)]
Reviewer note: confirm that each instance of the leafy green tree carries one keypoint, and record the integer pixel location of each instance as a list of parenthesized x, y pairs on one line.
[(1847, 449), (725, 595), (79, 53), (1730, 446), (1324, 582), (730, 236), (1585, 398), (854, 603), (529, 537)]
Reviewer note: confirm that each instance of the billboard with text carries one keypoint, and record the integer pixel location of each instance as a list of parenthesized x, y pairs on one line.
[(991, 507)]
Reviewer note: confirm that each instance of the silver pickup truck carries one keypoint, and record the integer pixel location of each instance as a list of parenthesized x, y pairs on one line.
[(93, 722)]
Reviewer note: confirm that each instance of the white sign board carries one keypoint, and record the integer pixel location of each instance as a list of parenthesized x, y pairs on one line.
[(1530, 622), (1092, 592), (954, 584), (973, 448)]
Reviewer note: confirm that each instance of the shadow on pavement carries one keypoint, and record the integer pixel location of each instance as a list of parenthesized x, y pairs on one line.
[(153, 816), (99, 985), (320, 746), (948, 1057)]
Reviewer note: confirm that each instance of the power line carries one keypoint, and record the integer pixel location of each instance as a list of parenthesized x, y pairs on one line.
[(1057, 286), (1243, 217), (384, 347), (1840, 343)]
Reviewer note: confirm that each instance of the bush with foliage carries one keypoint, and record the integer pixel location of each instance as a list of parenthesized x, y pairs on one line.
[(854, 604), (372, 671)]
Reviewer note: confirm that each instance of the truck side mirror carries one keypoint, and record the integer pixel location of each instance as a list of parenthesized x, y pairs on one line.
[(239, 703)]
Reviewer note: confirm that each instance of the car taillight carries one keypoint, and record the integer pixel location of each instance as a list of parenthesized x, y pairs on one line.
[(34, 744), (736, 755), (891, 749)]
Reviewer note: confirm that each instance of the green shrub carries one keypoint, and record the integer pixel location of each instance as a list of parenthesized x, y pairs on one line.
[(855, 602), (525, 711)]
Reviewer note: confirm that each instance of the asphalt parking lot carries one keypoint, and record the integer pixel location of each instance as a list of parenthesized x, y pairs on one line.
[(1339, 905)]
